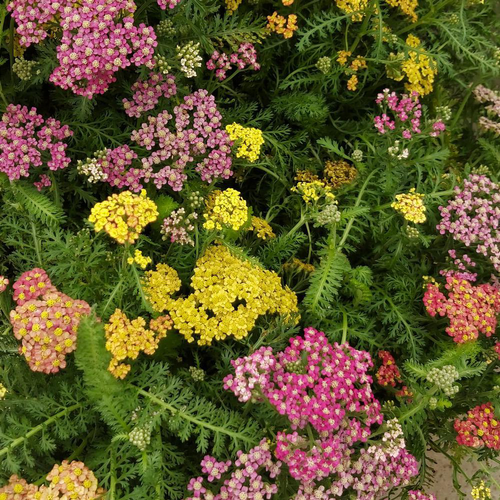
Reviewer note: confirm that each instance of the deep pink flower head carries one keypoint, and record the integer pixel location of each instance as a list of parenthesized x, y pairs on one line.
[(245, 56), (481, 428)]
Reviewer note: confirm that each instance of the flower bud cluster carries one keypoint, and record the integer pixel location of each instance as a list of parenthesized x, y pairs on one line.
[(140, 437), (23, 68), (329, 215), (177, 227), (166, 28), (189, 58), (443, 379), (197, 374), (324, 64)]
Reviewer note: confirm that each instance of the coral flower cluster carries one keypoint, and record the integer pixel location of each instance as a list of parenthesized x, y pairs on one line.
[(68, 481), (248, 139), (46, 321), (245, 56), (472, 217), (411, 206), (228, 296), (471, 309), (126, 339), (198, 133), (480, 428), (4, 283), (246, 479), (388, 373), (327, 389), (225, 209), (27, 140), (97, 42), (124, 216)]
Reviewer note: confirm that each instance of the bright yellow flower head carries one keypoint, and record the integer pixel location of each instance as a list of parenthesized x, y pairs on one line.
[(124, 216), (420, 69), (313, 191), (481, 492), (411, 206), (281, 25), (407, 7), (139, 259), (352, 83), (262, 228), (225, 209), (3, 391), (249, 140), (354, 7), (228, 296), (159, 285)]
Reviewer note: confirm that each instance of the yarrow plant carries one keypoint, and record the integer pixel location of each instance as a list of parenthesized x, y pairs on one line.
[(481, 428)]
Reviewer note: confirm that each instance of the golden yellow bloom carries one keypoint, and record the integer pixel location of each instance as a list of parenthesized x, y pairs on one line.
[(123, 216), (232, 5), (225, 209), (420, 69), (299, 265), (228, 296), (407, 7), (313, 191), (262, 228), (159, 285), (249, 140), (352, 83), (411, 206), (354, 7), (281, 25), (139, 259), (342, 57), (126, 339), (306, 176), (481, 492), (338, 173), (358, 63)]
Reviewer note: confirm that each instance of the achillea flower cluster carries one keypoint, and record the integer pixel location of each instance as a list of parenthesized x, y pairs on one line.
[(338, 173), (168, 3), (68, 481), (355, 7), (4, 283), (245, 56), (126, 339), (189, 58), (419, 495), (23, 68), (326, 387), (228, 296), (3, 391), (282, 25), (471, 309), (248, 139), (261, 228), (411, 206), (225, 209), (25, 136), (388, 373), (124, 216), (444, 378), (461, 266), (329, 215), (46, 321), (246, 480), (198, 132), (139, 259), (490, 121), (481, 492), (177, 227), (97, 42), (43, 181), (147, 93), (298, 265), (314, 191), (420, 69), (481, 428), (407, 7), (473, 217)]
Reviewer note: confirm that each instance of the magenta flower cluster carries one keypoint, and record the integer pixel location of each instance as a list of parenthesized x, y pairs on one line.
[(325, 390), (43, 181), (27, 141), (198, 132), (164, 4), (97, 42), (406, 115), (147, 93), (246, 481), (472, 217), (245, 56)]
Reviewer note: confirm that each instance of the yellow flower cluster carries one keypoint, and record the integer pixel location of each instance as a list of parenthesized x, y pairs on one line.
[(306, 176), (282, 25), (225, 209), (352, 83), (297, 264), (359, 63), (411, 206), (140, 260), (249, 140), (262, 228), (342, 57), (354, 7), (159, 285), (228, 297), (3, 391), (419, 68), (481, 492), (126, 339), (407, 7), (123, 216), (338, 173), (314, 191), (232, 5)]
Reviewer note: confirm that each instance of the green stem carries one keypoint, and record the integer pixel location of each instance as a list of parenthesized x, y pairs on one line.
[(36, 243), (344, 327)]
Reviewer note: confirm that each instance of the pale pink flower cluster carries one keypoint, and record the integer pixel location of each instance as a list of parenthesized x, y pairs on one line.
[(27, 141), (46, 321), (461, 267), (485, 95), (473, 217), (177, 227), (4, 283), (168, 3), (198, 132), (245, 56), (246, 481), (97, 42), (419, 495), (325, 389), (147, 93)]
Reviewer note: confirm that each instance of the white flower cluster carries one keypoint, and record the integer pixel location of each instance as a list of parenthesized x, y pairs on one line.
[(393, 438), (357, 155), (329, 215), (91, 167), (189, 56), (398, 152), (444, 378)]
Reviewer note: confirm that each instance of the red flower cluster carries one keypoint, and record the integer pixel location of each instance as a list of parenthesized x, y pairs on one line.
[(480, 428), (388, 373), (471, 309)]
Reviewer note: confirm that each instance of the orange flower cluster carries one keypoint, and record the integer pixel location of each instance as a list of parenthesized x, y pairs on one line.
[(282, 25)]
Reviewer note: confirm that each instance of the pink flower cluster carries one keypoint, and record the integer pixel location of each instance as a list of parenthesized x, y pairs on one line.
[(326, 389), (485, 95), (4, 283), (481, 428), (245, 56), (198, 132), (419, 495), (147, 93), (407, 114), (471, 309), (461, 265), (473, 217), (388, 373), (46, 321), (168, 3), (97, 42), (43, 181), (245, 481), (25, 140), (177, 226)]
